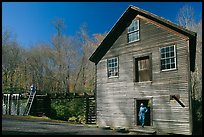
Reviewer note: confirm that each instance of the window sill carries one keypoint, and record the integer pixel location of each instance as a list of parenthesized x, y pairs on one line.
[(166, 70), (143, 83), (133, 41), (113, 77)]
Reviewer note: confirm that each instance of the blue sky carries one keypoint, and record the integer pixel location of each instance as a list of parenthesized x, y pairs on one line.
[(31, 21)]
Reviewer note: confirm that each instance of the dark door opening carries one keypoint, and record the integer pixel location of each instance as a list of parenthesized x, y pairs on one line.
[(147, 115)]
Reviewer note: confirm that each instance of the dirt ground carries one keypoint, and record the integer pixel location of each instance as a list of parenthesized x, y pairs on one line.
[(12, 125)]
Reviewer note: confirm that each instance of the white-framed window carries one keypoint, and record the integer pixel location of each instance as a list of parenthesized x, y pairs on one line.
[(112, 66), (168, 58), (133, 31)]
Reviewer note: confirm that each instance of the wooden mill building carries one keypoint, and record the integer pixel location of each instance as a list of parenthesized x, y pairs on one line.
[(145, 59)]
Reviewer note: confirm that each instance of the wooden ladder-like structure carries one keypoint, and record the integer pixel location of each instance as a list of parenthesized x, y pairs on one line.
[(30, 101), (90, 110)]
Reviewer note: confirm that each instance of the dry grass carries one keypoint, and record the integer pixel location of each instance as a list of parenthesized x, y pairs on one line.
[(29, 117)]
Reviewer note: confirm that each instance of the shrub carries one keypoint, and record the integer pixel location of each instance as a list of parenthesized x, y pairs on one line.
[(73, 119), (66, 109)]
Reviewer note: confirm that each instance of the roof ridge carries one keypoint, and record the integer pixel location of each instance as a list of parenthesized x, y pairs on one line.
[(161, 18)]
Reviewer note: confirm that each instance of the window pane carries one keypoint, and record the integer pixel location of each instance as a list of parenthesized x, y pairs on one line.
[(162, 67), (172, 48), (129, 38), (172, 60), (167, 54), (133, 36), (172, 65), (134, 26), (167, 57), (162, 55), (168, 66), (162, 50), (112, 67), (167, 49), (167, 61), (130, 28), (172, 54), (163, 62), (137, 35), (116, 64)]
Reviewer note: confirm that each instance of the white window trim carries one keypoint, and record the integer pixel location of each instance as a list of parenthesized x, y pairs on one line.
[(117, 67), (138, 30), (135, 40), (175, 57), (137, 26)]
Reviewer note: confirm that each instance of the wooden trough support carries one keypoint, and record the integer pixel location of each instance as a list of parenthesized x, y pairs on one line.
[(30, 101), (41, 106), (176, 97), (90, 110)]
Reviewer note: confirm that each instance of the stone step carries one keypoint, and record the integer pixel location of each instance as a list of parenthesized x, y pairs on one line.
[(140, 130)]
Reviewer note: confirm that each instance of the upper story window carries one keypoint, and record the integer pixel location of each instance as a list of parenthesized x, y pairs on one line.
[(168, 58), (143, 70), (112, 67), (133, 31)]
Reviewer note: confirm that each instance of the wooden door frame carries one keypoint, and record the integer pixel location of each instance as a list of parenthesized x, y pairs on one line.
[(151, 109)]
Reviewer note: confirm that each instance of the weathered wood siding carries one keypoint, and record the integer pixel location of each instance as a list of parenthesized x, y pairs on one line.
[(115, 96)]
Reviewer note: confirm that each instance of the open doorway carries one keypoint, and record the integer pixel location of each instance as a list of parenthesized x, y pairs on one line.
[(147, 104)]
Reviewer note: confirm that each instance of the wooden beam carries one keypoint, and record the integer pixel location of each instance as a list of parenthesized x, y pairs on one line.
[(175, 97)]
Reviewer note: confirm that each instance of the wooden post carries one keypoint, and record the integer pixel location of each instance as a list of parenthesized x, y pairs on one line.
[(18, 97), (6, 102), (47, 105), (87, 109), (9, 103)]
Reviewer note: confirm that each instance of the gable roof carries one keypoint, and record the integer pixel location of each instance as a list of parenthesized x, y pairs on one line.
[(125, 21)]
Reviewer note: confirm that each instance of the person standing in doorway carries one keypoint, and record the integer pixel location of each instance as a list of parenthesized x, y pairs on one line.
[(141, 114)]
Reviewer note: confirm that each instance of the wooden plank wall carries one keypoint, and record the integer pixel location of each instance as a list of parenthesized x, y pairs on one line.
[(115, 96)]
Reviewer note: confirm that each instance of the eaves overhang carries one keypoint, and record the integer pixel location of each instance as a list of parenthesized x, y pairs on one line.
[(124, 21)]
